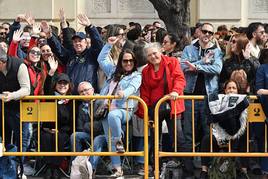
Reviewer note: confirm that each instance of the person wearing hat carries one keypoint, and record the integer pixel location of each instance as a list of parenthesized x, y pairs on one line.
[(81, 61), (61, 87), (14, 84)]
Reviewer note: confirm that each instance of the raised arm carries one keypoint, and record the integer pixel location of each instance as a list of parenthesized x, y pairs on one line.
[(55, 44), (104, 59), (96, 40)]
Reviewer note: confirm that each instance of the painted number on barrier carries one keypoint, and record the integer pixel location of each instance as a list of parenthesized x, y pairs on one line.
[(29, 110), (257, 112)]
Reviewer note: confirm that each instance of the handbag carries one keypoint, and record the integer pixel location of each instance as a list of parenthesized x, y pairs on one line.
[(101, 109), (165, 108)]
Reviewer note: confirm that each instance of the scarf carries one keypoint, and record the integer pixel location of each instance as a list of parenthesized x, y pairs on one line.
[(229, 116), (156, 77), (37, 76)]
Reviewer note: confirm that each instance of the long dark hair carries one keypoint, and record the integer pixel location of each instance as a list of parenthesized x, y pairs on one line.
[(237, 85), (119, 71)]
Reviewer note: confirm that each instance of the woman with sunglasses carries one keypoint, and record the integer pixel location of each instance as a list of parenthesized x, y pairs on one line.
[(239, 64), (123, 80)]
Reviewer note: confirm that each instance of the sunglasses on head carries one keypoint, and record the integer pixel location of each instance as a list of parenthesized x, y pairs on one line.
[(34, 52), (207, 32)]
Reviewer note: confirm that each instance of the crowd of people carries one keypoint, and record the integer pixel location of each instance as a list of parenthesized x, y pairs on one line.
[(125, 60)]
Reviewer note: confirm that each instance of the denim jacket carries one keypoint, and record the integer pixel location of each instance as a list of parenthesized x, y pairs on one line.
[(211, 68), (130, 84)]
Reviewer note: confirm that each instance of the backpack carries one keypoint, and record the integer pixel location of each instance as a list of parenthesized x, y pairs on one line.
[(81, 168), (222, 168)]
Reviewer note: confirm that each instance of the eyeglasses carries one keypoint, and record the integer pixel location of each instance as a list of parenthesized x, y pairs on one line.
[(128, 61), (207, 32), (84, 90), (3, 33), (62, 82), (34, 52)]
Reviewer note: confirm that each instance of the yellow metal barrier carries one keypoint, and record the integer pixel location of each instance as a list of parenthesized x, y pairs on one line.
[(47, 112), (255, 114)]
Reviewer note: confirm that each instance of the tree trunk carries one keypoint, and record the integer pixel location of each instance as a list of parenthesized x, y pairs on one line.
[(174, 13)]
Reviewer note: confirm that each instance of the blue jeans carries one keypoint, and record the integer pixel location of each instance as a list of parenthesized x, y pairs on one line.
[(12, 123), (138, 143), (115, 120), (99, 144), (200, 121), (82, 140)]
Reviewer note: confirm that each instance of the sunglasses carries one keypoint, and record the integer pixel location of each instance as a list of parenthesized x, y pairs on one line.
[(207, 32), (34, 52), (233, 41), (3, 33), (128, 61)]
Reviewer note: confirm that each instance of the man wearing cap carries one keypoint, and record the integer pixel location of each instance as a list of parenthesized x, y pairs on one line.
[(14, 84), (81, 61)]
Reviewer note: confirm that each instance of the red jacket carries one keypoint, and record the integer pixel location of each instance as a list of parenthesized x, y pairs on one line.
[(175, 81)]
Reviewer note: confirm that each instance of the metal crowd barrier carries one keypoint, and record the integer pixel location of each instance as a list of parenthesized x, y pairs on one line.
[(38, 109), (255, 114)]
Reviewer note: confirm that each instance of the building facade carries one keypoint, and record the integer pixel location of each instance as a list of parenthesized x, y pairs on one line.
[(103, 12)]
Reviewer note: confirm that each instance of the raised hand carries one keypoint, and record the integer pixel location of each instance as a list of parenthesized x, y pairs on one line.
[(17, 35), (246, 52), (29, 19), (36, 29), (20, 18), (112, 40), (46, 28), (83, 20), (53, 65), (62, 18)]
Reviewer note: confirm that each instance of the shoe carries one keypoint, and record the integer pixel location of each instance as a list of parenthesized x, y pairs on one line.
[(119, 147), (28, 170), (48, 174), (56, 174), (242, 175), (203, 175), (172, 164), (117, 173), (141, 170), (256, 171)]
